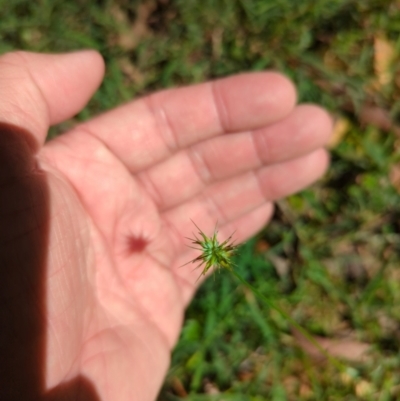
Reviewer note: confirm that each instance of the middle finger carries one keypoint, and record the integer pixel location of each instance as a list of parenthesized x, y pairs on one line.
[(191, 171)]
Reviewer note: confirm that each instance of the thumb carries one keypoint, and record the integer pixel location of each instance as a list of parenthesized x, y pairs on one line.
[(39, 90)]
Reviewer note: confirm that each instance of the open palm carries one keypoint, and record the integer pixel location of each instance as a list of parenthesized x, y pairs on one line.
[(117, 195)]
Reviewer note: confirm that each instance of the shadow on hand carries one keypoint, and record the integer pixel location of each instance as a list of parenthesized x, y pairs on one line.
[(24, 230)]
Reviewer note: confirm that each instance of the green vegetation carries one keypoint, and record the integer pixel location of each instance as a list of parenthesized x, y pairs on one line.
[(330, 257)]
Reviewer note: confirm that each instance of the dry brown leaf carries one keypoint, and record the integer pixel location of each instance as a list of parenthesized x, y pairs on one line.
[(178, 388), (291, 383), (246, 369), (351, 350), (216, 40), (262, 246), (395, 391), (131, 34), (340, 128), (119, 16), (364, 388), (210, 388), (394, 176), (383, 58), (306, 391), (377, 117), (131, 71), (245, 376), (282, 266)]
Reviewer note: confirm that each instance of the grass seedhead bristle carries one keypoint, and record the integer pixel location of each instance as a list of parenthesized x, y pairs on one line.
[(213, 253)]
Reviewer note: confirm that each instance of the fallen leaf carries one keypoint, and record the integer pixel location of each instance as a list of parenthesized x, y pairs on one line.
[(291, 384), (131, 34), (131, 71), (305, 391), (281, 265), (216, 40), (364, 388), (383, 58), (395, 391), (210, 388), (345, 348), (394, 176), (178, 388), (377, 117), (246, 369), (262, 246), (340, 128)]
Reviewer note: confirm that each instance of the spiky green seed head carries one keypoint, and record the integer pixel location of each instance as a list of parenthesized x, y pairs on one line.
[(213, 253)]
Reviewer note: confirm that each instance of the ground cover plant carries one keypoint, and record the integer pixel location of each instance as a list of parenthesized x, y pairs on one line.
[(330, 256)]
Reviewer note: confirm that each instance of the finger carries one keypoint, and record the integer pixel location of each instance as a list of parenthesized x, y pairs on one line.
[(249, 224), (306, 129), (230, 199), (238, 195), (42, 89), (173, 119)]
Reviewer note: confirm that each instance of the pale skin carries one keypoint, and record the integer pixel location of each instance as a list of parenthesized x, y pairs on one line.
[(93, 223)]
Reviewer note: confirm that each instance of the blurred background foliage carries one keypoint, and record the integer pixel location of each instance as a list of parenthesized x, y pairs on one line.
[(330, 256)]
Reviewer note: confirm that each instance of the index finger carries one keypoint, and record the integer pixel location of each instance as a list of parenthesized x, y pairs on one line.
[(146, 131)]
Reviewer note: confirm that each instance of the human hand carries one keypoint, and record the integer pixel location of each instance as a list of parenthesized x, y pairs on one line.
[(93, 223)]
